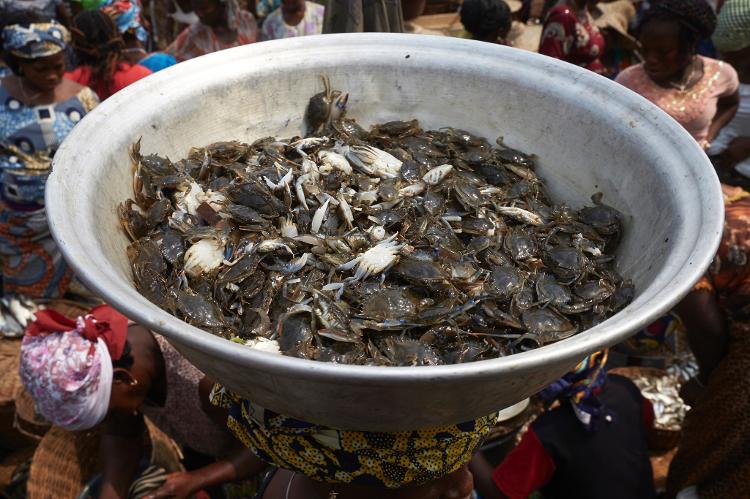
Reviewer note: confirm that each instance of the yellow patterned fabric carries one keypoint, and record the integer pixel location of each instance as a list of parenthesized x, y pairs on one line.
[(389, 459)]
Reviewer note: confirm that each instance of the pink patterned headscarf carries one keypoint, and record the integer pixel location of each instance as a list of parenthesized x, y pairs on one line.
[(67, 365)]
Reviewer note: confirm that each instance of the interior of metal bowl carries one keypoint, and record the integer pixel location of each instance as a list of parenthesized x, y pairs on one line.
[(590, 136)]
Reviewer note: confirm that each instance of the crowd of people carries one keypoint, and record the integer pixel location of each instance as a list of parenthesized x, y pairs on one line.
[(691, 58)]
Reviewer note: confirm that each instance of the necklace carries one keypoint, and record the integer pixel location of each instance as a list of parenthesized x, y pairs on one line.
[(289, 485), (684, 83), (332, 495), (29, 99)]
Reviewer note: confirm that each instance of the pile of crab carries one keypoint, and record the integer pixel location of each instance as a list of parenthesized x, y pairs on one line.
[(393, 246)]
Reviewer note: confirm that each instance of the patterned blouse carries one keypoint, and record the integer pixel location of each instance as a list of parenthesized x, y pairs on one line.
[(275, 27), (572, 39), (693, 108), (29, 137)]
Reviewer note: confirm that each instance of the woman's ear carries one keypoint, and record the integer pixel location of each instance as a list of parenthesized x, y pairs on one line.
[(123, 376)]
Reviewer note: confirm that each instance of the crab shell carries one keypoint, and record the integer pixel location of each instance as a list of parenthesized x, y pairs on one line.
[(373, 161), (437, 174), (335, 161)]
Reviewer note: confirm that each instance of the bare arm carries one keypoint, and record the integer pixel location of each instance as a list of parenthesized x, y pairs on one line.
[(239, 466), (705, 327), (121, 449), (726, 108), (483, 483)]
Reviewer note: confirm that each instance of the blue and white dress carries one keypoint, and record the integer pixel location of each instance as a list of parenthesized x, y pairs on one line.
[(29, 138)]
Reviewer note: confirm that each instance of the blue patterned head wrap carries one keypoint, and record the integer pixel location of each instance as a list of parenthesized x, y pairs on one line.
[(127, 16), (581, 388), (35, 40)]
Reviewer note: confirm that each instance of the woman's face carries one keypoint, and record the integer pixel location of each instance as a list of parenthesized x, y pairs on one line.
[(45, 73), (210, 12), (292, 6), (664, 54)]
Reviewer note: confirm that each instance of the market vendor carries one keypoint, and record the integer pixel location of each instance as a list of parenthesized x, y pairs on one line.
[(487, 20), (571, 35), (591, 443), (700, 93), (99, 50), (222, 25), (39, 109), (97, 369), (317, 462), (126, 15), (713, 459)]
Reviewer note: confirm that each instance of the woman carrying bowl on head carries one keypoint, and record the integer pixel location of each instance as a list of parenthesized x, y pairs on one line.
[(318, 462), (222, 25), (38, 108), (699, 92), (570, 35)]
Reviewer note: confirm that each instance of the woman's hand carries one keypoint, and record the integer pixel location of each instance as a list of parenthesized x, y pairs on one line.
[(179, 485)]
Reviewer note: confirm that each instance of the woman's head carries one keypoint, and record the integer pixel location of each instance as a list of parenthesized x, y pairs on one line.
[(126, 15), (66, 365), (669, 33), (732, 35), (33, 48), (98, 44), (292, 6), (211, 13), (486, 20)]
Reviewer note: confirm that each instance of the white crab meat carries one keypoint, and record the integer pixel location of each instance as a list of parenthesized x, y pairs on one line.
[(319, 216), (283, 181), (296, 264), (190, 199), (299, 187), (367, 197), (309, 143), (335, 161), (521, 215), (346, 210), (204, 256), (377, 233), (375, 260), (272, 245), (288, 228), (412, 190), (437, 174), (264, 345), (373, 161)]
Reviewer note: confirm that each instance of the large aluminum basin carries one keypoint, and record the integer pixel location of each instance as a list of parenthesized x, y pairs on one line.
[(589, 133)]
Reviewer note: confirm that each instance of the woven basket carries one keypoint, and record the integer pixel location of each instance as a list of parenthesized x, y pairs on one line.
[(26, 420), (659, 439), (10, 385), (64, 461)]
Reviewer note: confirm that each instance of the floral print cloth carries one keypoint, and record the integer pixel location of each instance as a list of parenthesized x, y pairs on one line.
[(572, 38)]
